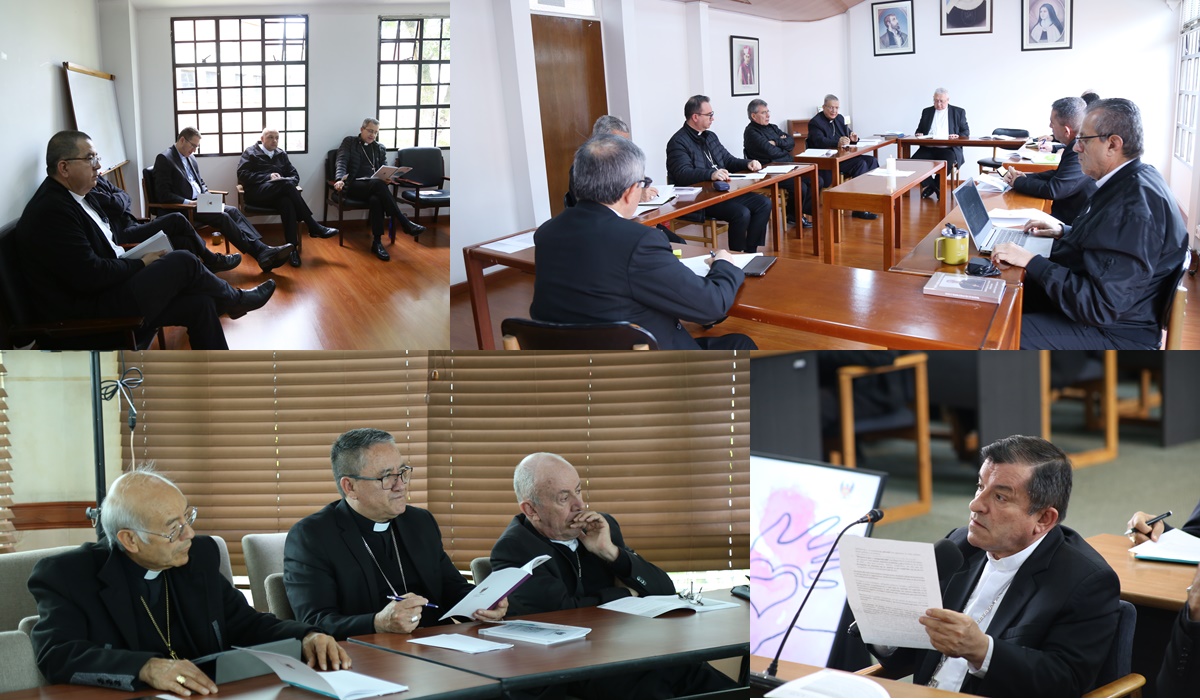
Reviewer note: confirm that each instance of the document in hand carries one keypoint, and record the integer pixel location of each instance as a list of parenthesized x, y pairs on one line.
[(655, 605), (537, 632), (697, 265), (343, 685), (1173, 546), (386, 172), (889, 584), (496, 586), (830, 684), (152, 244)]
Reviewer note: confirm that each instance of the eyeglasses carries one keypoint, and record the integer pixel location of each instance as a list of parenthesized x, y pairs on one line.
[(389, 479), (1093, 136), (710, 115), (176, 531), (93, 159), (644, 182)]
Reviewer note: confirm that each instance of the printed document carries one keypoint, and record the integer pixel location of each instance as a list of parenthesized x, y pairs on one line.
[(498, 585), (655, 605), (1172, 545), (889, 584), (460, 642), (512, 244), (701, 268), (344, 685)]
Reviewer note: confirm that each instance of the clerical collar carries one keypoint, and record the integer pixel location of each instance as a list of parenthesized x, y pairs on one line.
[(380, 527), (366, 524), (152, 574), (569, 544), (269, 153), (1014, 561)]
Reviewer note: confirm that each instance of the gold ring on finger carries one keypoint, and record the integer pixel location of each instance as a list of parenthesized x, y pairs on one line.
[(180, 679)]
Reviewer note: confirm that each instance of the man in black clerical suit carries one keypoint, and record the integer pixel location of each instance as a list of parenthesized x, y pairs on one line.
[(74, 270), (764, 142), (177, 181), (1032, 610), (342, 564), (128, 612), (115, 204), (590, 565), (1067, 186), (827, 129), (358, 158), (1109, 275), (695, 155), (941, 121), (269, 180), (594, 266)]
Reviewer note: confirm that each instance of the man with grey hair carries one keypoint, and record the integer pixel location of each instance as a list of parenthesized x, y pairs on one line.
[(369, 562), (589, 565), (74, 270), (827, 129), (767, 143), (1066, 186), (605, 125), (593, 265), (941, 121), (358, 158), (1032, 608), (1110, 273), (127, 613), (270, 180)]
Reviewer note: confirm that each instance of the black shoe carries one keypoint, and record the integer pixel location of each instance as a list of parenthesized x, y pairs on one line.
[(322, 232), (377, 249), (412, 228), (807, 223), (252, 299), (864, 215), (273, 257), (294, 260), (224, 263)]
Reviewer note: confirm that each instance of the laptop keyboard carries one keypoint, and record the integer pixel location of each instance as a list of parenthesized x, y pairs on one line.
[(1009, 235)]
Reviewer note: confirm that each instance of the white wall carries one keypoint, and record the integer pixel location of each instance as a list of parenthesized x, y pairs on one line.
[(35, 39)]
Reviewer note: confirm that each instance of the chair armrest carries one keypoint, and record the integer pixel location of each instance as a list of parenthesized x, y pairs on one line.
[(1119, 688), (900, 363), (220, 192)]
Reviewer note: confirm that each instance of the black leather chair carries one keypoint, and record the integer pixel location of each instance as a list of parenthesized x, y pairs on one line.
[(249, 210), (993, 164), (342, 201), (527, 334), (421, 186)]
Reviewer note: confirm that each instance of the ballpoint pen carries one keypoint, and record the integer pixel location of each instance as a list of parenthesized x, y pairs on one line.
[(400, 597), (1150, 522)]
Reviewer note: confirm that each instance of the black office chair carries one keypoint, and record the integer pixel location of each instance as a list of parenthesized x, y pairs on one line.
[(1115, 679), (993, 164), (342, 201), (421, 186), (527, 334)]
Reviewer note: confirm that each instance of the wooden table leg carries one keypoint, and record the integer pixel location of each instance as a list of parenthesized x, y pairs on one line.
[(778, 229), (827, 214), (891, 231), (477, 289), (896, 213), (814, 190), (944, 194)]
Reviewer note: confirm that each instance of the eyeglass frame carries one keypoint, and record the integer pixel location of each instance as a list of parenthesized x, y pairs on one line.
[(404, 475), (710, 115), (1093, 136), (174, 533), (94, 159)]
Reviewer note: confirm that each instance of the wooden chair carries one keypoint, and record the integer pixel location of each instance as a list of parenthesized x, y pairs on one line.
[(913, 423), (343, 202), (993, 164), (249, 210), (1098, 390), (526, 334), (710, 229), (18, 329), (189, 210), (421, 187)]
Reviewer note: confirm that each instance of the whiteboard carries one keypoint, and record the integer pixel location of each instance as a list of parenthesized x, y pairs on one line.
[(94, 101)]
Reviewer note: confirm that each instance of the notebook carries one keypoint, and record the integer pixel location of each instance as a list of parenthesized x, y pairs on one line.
[(987, 236)]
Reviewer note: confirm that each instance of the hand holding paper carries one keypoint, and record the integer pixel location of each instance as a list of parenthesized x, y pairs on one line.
[(493, 592)]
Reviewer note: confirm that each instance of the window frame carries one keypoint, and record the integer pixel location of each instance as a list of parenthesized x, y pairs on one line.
[(420, 63)]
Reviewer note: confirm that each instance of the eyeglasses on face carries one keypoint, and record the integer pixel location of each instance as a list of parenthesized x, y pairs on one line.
[(176, 531), (1093, 136), (93, 159), (388, 479), (710, 115)]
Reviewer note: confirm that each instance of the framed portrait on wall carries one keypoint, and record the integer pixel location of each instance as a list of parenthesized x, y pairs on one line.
[(967, 16), (743, 64), (892, 27), (1046, 24)]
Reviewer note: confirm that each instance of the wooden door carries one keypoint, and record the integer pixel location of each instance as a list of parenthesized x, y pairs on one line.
[(571, 92)]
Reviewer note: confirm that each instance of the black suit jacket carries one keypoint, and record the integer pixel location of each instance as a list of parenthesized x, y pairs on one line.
[(756, 143), (72, 272), (956, 122), (86, 633), (1109, 267), (171, 184), (1066, 185), (255, 169), (594, 266), (556, 585), (330, 577), (114, 203), (1051, 633), (825, 134), (358, 159), (1180, 673), (688, 155)]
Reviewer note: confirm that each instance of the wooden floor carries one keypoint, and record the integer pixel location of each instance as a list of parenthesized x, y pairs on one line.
[(346, 298), (510, 292)]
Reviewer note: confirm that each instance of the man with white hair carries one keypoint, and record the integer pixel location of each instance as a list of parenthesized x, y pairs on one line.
[(128, 612), (941, 121)]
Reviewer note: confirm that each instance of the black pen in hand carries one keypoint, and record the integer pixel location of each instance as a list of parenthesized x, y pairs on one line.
[(1150, 524), (400, 597)]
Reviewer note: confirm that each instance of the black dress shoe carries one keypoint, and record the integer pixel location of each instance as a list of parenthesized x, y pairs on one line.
[(252, 299), (807, 223), (864, 215), (294, 260), (275, 256), (412, 228), (378, 250), (322, 232), (224, 263)]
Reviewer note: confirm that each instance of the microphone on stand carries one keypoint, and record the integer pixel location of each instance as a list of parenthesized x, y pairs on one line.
[(768, 679)]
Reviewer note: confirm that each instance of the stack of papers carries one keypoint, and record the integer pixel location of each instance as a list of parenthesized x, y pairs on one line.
[(535, 632), (830, 684), (1173, 546), (460, 642), (512, 244), (687, 191), (819, 152), (655, 605), (987, 182), (701, 268), (868, 142), (1016, 218), (777, 169)]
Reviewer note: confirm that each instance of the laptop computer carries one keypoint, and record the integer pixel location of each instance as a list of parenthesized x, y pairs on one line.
[(209, 203), (985, 234)]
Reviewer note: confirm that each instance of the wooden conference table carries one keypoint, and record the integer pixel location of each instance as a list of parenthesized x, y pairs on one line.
[(618, 643), (424, 680), (832, 162), (906, 143), (790, 671)]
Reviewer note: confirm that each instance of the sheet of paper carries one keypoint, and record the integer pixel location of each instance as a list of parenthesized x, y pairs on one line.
[(987, 182), (496, 586), (746, 176), (830, 684), (864, 143), (688, 191), (665, 194), (889, 584), (339, 684), (512, 244), (1172, 545), (777, 169), (884, 172), (819, 152), (1017, 217), (461, 642), (643, 208), (697, 264), (655, 605)]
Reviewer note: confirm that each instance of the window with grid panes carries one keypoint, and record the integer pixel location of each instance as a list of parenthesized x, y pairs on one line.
[(236, 75), (1189, 81), (414, 82)]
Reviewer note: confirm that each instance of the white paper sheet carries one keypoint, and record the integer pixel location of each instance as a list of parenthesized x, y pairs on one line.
[(987, 182), (1016, 218), (688, 191), (864, 143), (777, 169), (513, 244), (696, 264), (830, 684), (461, 642), (819, 152), (1172, 545), (496, 586), (889, 584), (655, 605), (346, 685), (747, 176), (884, 172), (665, 194)]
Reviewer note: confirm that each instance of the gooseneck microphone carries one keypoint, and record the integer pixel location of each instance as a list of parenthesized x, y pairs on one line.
[(769, 678)]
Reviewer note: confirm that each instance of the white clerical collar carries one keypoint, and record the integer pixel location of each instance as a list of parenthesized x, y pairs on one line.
[(1014, 561), (270, 153), (570, 544), (151, 574), (1107, 177), (380, 527)]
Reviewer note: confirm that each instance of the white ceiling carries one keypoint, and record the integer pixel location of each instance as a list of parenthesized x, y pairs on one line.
[(786, 10), (169, 4)]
